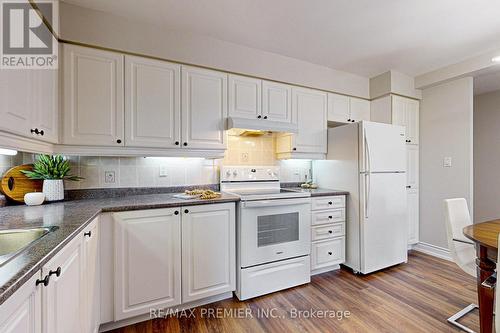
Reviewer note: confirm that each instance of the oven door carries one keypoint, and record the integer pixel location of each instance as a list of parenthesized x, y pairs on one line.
[(271, 230)]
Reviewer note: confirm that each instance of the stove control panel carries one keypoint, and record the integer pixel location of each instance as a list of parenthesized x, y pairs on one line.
[(248, 174)]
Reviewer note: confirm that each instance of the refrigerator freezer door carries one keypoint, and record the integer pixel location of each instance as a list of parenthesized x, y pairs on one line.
[(384, 230), (383, 148)]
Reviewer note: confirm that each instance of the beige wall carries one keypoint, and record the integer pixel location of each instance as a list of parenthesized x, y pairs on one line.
[(487, 156), (101, 29), (446, 129)]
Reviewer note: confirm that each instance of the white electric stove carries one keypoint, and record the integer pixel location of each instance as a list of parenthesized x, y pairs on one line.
[(273, 231)]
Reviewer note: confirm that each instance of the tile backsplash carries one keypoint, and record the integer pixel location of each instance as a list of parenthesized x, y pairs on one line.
[(109, 172)]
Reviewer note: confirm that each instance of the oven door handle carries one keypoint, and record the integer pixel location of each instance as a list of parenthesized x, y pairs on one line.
[(278, 202)]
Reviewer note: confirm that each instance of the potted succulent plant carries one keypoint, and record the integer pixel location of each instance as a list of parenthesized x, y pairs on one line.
[(53, 170)]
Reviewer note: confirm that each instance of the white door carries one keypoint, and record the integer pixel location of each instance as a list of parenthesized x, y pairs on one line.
[(64, 299), (383, 147), (45, 104), (204, 108), (16, 100), (413, 216), (208, 251), (412, 153), (338, 108), (245, 97), (277, 102), (311, 108), (147, 261), (22, 312), (152, 103), (92, 275), (360, 109), (93, 97), (384, 229)]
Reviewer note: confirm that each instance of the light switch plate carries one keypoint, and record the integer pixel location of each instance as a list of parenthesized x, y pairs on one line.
[(447, 162), (163, 171), (109, 177)]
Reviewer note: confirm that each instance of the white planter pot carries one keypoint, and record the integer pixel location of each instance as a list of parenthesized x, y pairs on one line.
[(53, 189)]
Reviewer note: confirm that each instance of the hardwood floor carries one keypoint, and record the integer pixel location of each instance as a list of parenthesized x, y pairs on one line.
[(414, 297)]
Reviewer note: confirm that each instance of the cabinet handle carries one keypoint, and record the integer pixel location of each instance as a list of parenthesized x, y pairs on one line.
[(294, 149), (330, 231), (185, 144), (45, 281), (118, 141), (330, 203), (186, 211), (409, 141), (88, 233), (34, 131), (42, 132), (57, 272), (330, 217), (352, 121), (408, 186), (176, 212), (330, 253), (265, 117), (176, 143), (349, 119), (259, 116)]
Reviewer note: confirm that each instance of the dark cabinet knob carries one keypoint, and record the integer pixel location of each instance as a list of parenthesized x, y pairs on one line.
[(294, 149), (330, 203), (185, 144), (408, 186), (118, 141), (259, 116), (176, 212), (186, 211), (352, 121), (34, 131), (88, 233), (330, 217), (265, 117), (176, 143), (330, 253), (45, 281), (409, 141), (42, 132), (330, 231), (349, 119), (57, 272)]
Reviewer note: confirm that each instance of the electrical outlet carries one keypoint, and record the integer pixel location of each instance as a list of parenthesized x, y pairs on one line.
[(447, 162), (244, 157), (163, 171), (109, 177)]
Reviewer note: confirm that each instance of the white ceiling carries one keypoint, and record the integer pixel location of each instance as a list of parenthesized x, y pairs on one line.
[(487, 81), (365, 37)]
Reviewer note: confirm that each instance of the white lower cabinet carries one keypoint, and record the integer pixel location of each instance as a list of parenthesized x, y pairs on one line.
[(147, 261), (413, 216), (92, 275), (208, 251), (22, 312), (327, 253)]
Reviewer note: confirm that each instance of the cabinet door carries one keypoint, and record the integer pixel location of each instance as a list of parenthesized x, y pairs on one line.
[(64, 299), (93, 97), (412, 154), (413, 216), (399, 116), (92, 275), (22, 312), (277, 102), (208, 251), (152, 103), (360, 109), (147, 261), (16, 100), (412, 115), (46, 105), (311, 108), (338, 108), (245, 97), (204, 108)]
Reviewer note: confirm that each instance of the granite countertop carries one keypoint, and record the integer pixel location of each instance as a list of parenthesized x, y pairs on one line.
[(319, 192), (71, 217)]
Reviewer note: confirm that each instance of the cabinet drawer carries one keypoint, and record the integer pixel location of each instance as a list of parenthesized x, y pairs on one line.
[(327, 231), (337, 201), (328, 216), (327, 253)]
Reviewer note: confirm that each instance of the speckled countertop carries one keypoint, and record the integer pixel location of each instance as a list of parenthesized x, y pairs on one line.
[(319, 192), (71, 217)]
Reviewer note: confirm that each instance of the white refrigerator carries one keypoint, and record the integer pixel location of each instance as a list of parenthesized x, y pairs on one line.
[(369, 160)]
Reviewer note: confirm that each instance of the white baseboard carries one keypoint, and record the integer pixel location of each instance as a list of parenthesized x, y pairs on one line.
[(433, 250)]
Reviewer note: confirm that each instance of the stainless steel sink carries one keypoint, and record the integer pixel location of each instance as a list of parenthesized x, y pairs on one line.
[(15, 241)]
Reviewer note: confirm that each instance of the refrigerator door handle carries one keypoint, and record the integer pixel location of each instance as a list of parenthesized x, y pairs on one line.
[(367, 176)]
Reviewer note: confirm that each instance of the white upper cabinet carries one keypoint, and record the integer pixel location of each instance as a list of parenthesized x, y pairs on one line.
[(45, 105), (277, 102), (93, 97), (152, 103), (405, 112), (245, 97), (311, 108), (204, 108), (345, 109), (147, 261), (208, 251), (360, 109)]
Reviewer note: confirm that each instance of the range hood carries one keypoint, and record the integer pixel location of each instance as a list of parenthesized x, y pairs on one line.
[(261, 125)]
